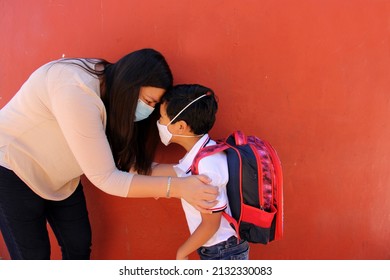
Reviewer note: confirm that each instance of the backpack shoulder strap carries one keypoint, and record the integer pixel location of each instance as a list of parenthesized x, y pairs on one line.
[(207, 151), (233, 223), (239, 138)]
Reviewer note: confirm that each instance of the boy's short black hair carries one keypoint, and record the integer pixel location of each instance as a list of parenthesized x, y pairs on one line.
[(200, 115)]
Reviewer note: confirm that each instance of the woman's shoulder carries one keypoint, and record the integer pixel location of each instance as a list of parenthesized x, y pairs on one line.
[(72, 71)]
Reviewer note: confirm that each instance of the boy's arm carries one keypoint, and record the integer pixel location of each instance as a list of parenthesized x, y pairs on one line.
[(163, 170), (207, 228), (160, 169)]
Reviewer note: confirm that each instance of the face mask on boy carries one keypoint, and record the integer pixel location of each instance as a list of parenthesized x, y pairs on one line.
[(165, 135), (142, 111)]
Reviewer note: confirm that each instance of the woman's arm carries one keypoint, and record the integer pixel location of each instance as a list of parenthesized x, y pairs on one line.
[(207, 228), (194, 189), (196, 192)]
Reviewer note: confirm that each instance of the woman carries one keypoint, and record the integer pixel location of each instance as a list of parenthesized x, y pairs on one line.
[(74, 117)]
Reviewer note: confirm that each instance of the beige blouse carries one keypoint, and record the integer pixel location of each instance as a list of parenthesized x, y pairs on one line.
[(53, 131)]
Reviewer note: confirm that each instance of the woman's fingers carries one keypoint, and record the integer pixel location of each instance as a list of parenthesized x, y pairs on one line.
[(209, 193), (204, 179), (206, 204), (200, 194)]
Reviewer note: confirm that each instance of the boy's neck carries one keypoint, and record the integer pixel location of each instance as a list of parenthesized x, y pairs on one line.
[(188, 143)]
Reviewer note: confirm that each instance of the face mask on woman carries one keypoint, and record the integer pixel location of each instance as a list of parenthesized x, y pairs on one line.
[(142, 111)]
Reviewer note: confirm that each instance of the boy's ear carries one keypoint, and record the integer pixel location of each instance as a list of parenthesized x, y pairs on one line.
[(183, 127)]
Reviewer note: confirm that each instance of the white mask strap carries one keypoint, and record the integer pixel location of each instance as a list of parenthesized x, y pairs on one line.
[(189, 104)]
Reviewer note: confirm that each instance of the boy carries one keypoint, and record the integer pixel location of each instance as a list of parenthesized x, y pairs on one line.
[(187, 115)]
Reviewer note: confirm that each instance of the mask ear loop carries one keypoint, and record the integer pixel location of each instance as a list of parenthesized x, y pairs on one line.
[(188, 105)]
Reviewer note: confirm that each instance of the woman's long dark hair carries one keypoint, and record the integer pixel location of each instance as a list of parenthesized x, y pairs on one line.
[(133, 144)]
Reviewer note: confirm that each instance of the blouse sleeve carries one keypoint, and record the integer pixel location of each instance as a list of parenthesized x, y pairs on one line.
[(80, 114)]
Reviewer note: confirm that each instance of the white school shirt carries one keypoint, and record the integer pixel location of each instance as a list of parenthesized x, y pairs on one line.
[(215, 167), (53, 131)]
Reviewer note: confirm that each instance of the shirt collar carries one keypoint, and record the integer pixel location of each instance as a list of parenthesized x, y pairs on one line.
[(184, 165)]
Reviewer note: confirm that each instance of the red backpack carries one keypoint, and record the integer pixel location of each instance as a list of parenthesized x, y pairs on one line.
[(255, 187)]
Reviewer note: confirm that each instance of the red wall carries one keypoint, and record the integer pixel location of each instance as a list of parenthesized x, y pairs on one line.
[(310, 76)]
